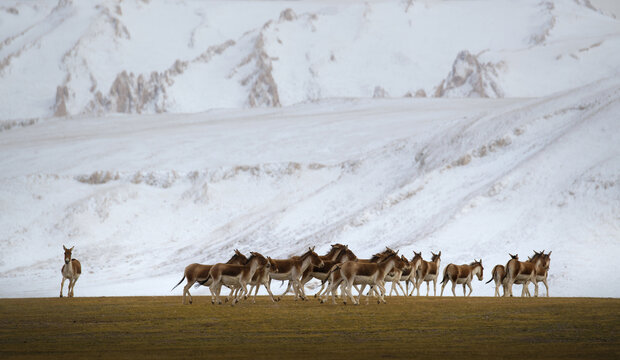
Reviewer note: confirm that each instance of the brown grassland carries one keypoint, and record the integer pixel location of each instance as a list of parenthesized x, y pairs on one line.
[(431, 328)]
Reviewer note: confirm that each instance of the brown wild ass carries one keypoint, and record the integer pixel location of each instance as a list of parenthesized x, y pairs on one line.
[(428, 271), (397, 275), (293, 268), (416, 263), (233, 275), (198, 272), (542, 270), (520, 272), (499, 273), (542, 262), (70, 270), (373, 274), (262, 277), (461, 274)]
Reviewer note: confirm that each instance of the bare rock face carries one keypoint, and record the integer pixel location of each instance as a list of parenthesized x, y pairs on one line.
[(60, 107), (470, 78), (379, 92), (263, 87)]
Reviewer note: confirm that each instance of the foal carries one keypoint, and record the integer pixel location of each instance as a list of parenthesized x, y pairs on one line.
[(70, 270)]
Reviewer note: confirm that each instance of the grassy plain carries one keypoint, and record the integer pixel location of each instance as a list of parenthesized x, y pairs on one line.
[(432, 328)]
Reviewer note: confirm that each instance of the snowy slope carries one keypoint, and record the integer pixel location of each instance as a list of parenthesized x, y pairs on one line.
[(141, 196), (85, 57)]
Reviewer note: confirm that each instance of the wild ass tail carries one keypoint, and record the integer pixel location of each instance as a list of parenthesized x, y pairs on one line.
[(205, 280), (175, 286), (489, 280), (445, 275)]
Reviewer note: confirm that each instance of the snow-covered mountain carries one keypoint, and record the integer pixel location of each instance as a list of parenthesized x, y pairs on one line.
[(477, 128), (92, 57)]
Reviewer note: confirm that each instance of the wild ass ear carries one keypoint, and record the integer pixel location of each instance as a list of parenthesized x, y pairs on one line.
[(64, 248), (549, 254), (311, 248), (72, 248), (439, 253)]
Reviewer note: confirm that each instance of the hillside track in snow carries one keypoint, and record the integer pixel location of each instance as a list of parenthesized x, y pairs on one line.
[(160, 327)]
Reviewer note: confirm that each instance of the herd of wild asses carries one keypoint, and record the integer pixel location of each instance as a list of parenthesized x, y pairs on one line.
[(340, 268)]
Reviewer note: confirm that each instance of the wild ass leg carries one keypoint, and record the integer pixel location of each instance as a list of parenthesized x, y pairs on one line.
[(453, 288), (401, 289), (546, 285), (428, 287), (69, 287), (443, 285), (525, 289), (76, 279), (350, 292), (435, 287), (186, 291), (470, 288), (464, 291), (359, 295)]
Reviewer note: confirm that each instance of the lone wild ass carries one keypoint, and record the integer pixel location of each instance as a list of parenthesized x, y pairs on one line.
[(70, 270)]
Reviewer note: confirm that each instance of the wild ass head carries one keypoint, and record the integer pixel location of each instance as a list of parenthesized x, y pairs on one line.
[(68, 254), (315, 260), (346, 255), (260, 260), (238, 258), (477, 268), (436, 257), (515, 256)]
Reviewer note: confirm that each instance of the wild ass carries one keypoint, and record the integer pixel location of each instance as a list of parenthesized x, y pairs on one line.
[(373, 274), (292, 269), (427, 272), (499, 273), (198, 272), (262, 277), (416, 262), (520, 272), (70, 270), (542, 270), (397, 275), (461, 274), (234, 275), (542, 261)]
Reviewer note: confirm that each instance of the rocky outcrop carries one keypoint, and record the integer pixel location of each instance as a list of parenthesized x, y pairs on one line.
[(470, 78)]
